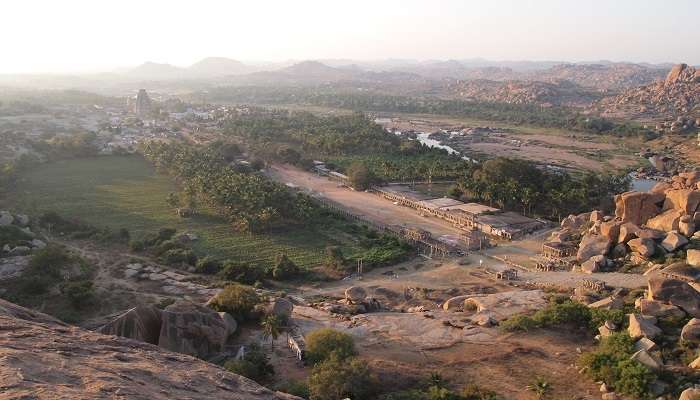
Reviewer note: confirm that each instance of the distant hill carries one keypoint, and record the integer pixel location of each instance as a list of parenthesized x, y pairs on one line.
[(156, 71), (219, 66)]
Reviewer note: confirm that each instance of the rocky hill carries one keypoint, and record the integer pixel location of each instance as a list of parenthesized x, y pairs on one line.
[(522, 92), (613, 76), (43, 358), (676, 96)]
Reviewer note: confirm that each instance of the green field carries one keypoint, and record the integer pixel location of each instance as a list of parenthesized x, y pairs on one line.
[(126, 192)]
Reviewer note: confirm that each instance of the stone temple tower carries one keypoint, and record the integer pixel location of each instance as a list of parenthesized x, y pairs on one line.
[(142, 106)]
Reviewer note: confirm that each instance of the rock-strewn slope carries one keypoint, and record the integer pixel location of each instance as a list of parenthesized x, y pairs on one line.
[(41, 358), (678, 96)]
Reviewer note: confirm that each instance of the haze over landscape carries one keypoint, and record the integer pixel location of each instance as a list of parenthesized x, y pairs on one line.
[(393, 200), (92, 36)]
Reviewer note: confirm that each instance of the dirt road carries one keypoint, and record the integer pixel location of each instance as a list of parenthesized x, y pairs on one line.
[(361, 203)]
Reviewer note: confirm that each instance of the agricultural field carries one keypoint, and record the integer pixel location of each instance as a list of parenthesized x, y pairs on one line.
[(126, 192)]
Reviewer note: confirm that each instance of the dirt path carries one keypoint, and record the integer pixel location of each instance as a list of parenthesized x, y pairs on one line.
[(361, 203)]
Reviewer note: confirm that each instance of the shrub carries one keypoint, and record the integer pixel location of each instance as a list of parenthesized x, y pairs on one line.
[(241, 272), (324, 342), (571, 313), (518, 323), (49, 261), (611, 364), (165, 246), (254, 365), (207, 265), (297, 388), (237, 300), (334, 258), (13, 236), (137, 245), (179, 256), (79, 293), (284, 268), (338, 378)]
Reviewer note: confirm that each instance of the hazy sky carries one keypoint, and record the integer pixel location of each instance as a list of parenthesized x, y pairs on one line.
[(83, 35)]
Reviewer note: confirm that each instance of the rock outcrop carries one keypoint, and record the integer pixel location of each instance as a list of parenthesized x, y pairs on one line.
[(183, 327), (678, 95), (43, 358), (141, 323), (675, 292)]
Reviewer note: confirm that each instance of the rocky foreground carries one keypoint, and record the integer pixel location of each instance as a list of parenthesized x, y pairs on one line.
[(42, 358)]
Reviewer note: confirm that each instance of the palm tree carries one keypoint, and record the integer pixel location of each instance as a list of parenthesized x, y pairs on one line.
[(271, 327)]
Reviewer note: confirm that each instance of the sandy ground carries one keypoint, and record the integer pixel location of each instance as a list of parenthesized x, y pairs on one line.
[(548, 146), (405, 347)]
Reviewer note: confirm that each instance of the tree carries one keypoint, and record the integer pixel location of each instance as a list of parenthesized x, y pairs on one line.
[(321, 343), (237, 300), (284, 268), (255, 365), (359, 176), (335, 258), (173, 200), (338, 378), (271, 327)]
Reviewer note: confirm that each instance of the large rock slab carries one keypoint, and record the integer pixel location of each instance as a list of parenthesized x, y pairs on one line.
[(611, 230), (693, 257), (455, 303), (592, 245), (642, 326), (653, 234), (690, 394), (637, 207), (506, 304), (684, 200), (683, 271), (645, 247), (674, 241), (192, 329), (666, 221), (654, 308), (140, 323), (647, 359), (282, 307), (43, 358), (593, 264), (628, 231), (676, 292), (355, 294), (691, 331)]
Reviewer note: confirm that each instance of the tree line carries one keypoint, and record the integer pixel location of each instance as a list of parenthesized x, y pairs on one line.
[(250, 201), (522, 186), (372, 101)]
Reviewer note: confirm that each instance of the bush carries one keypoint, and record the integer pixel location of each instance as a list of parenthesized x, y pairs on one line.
[(611, 364), (165, 246), (12, 236), (322, 343), (255, 365), (284, 268), (570, 313), (338, 378), (207, 265), (297, 388), (237, 300), (79, 293), (241, 272), (49, 261), (137, 245), (179, 256)]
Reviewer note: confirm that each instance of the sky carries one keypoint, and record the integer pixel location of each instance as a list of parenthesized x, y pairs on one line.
[(100, 35)]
